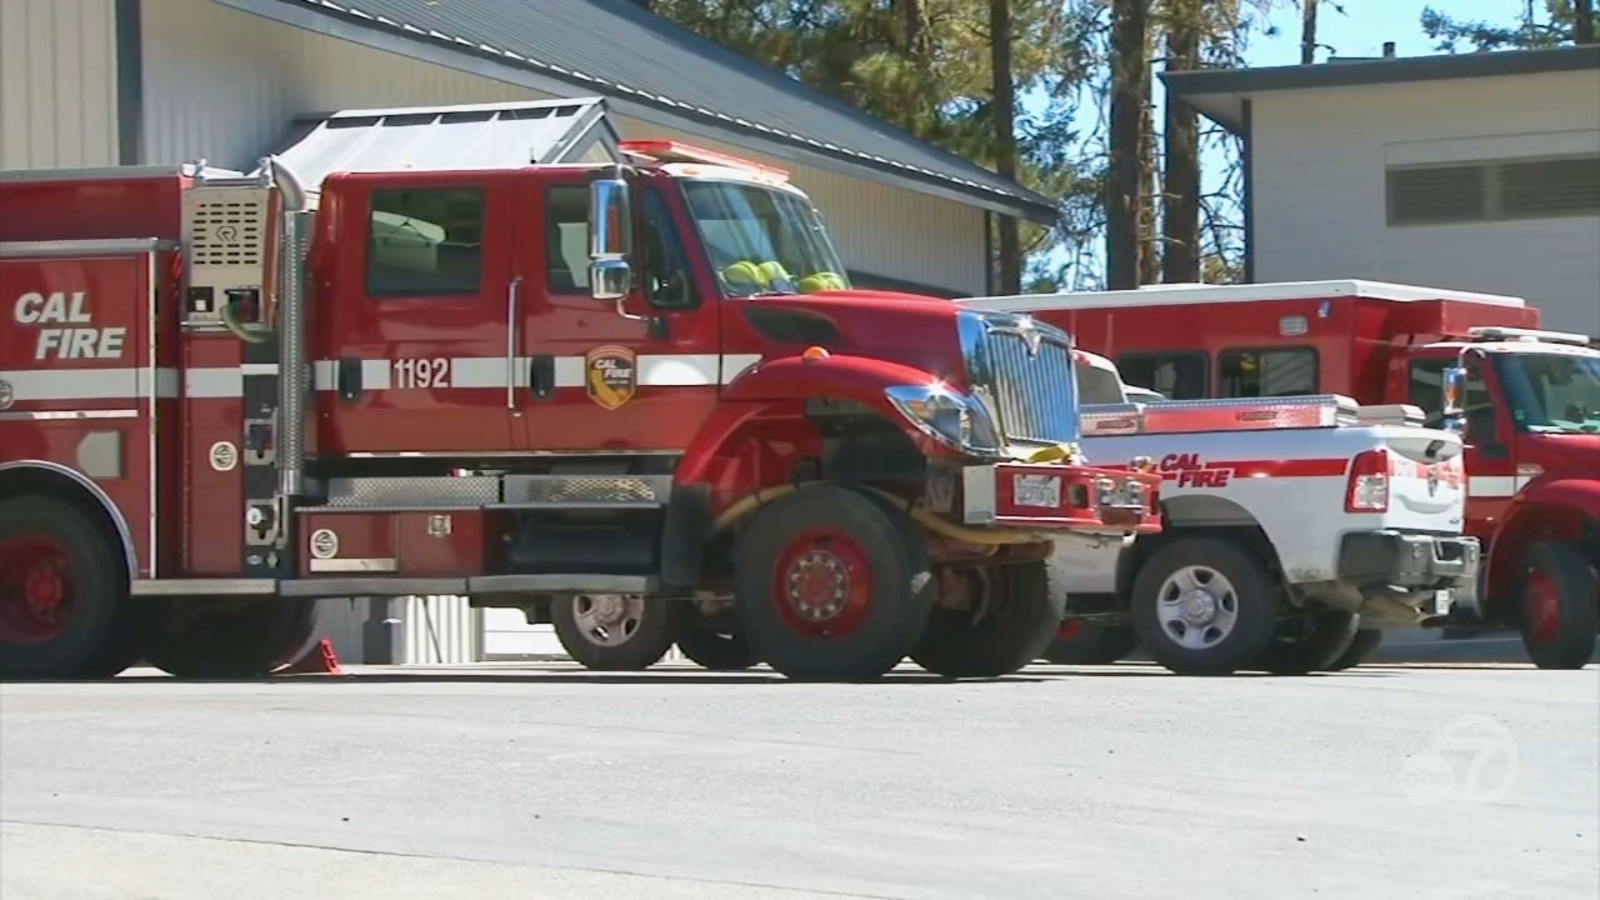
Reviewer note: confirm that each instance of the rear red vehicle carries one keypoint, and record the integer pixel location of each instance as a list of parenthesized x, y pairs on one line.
[(493, 351), (1532, 401)]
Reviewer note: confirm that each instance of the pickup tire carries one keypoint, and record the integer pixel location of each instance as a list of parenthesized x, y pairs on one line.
[(1013, 626), (717, 651), (831, 584), (60, 589), (1366, 641), (1310, 643), (616, 632), (1203, 606), (1560, 605), (1080, 643), (223, 638)]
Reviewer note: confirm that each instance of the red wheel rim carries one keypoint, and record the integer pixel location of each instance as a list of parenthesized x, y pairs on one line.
[(822, 583), (37, 590), (1542, 607), (1069, 629)]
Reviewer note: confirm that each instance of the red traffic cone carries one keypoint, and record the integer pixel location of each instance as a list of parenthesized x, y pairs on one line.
[(321, 661)]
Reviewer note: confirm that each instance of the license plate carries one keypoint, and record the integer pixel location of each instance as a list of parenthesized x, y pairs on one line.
[(1036, 490), (1441, 603)]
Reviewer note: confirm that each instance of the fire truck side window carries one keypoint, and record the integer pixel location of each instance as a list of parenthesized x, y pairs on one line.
[(1290, 372), (566, 223), (1424, 390), (666, 268), (426, 242), (1176, 376)]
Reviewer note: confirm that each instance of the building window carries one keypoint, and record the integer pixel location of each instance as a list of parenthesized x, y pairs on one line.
[(425, 242), (566, 228), (1176, 376), (1289, 372), (1499, 191)]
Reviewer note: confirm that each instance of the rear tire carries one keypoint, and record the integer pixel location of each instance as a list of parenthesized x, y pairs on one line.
[(832, 585), (61, 586), (1310, 643), (1202, 606), (616, 632), (1560, 606), (716, 651), (1080, 643), (206, 638), (1018, 621), (1366, 641)]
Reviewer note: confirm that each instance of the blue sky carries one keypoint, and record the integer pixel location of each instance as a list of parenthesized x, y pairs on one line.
[(1360, 31)]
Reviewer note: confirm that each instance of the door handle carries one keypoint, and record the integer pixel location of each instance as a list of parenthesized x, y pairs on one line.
[(542, 375), (349, 379), (512, 305)]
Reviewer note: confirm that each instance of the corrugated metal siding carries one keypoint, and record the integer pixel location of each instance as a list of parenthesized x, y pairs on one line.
[(58, 87), (228, 100), (1319, 162)]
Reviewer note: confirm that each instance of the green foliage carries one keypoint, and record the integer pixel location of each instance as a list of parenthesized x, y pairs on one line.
[(1537, 25)]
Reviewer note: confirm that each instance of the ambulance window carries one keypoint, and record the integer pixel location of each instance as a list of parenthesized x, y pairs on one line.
[(425, 242), (566, 218), (1176, 376), (1289, 372)]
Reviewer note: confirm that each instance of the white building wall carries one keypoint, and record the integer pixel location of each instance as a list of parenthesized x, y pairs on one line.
[(228, 100), (58, 85), (1318, 162)]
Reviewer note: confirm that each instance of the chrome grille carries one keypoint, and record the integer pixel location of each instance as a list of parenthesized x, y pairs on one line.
[(1028, 381)]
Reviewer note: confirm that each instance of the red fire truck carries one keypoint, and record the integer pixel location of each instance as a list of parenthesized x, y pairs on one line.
[(493, 351), (1531, 410)]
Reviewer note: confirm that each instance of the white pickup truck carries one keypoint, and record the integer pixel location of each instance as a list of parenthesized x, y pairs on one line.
[(1296, 529)]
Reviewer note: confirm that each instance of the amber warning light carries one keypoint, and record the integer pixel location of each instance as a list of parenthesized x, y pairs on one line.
[(676, 151)]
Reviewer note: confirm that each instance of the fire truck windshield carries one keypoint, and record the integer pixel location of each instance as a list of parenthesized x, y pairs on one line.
[(1551, 393), (763, 241)]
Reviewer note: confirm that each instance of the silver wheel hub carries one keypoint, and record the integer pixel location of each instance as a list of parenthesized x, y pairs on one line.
[(608, 620), (817, 583), (1197, 607)]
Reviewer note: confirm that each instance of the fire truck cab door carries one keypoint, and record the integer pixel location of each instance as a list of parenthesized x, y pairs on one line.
[(596, 380), (413, 344), (1489, 443)]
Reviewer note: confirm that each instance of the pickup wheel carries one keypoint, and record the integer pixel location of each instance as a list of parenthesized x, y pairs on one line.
[(1560, 606), (1366, 641), (832, 585), (717, 650), (60, 591), (197, 637), (1202, 606), (616, 632), (1311, 642), (1015, 620), (1081, 643)]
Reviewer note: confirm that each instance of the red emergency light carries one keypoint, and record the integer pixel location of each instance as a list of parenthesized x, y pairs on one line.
[(677, 151)]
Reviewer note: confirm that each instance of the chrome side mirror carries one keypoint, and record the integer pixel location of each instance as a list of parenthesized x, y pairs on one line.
[(610, 238), (610, 279), (1453, 386)]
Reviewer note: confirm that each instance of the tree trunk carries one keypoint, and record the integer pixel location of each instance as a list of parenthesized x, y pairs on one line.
[(1005, 139), (1150, 250), (1129, 72), (1180, 195), (1583, 21), (1308, 32)]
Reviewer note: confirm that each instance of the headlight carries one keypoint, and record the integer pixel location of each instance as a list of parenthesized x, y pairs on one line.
[(947, 416)]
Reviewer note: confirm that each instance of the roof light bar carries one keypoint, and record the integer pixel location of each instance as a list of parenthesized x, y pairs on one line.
[(677, 151), (1530, 335)]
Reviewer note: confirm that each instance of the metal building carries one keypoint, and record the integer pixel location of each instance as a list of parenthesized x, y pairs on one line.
[(107, 82)]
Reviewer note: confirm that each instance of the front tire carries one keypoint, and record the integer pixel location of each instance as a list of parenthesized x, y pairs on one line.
[(1011, 629), (1560, 606), (832, 585), (61, 587), (616, 632), (1202, 606), (1366, 641), (716, 651), (1311, 643)]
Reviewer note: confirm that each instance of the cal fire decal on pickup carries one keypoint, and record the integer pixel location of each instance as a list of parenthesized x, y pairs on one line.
[(611, 375), (66, 327), (1188, 471)]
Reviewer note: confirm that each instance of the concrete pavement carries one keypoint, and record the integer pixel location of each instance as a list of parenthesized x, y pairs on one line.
[(546, 781)]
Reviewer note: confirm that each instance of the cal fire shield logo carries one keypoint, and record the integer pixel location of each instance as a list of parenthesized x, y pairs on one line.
[(613, 376)]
